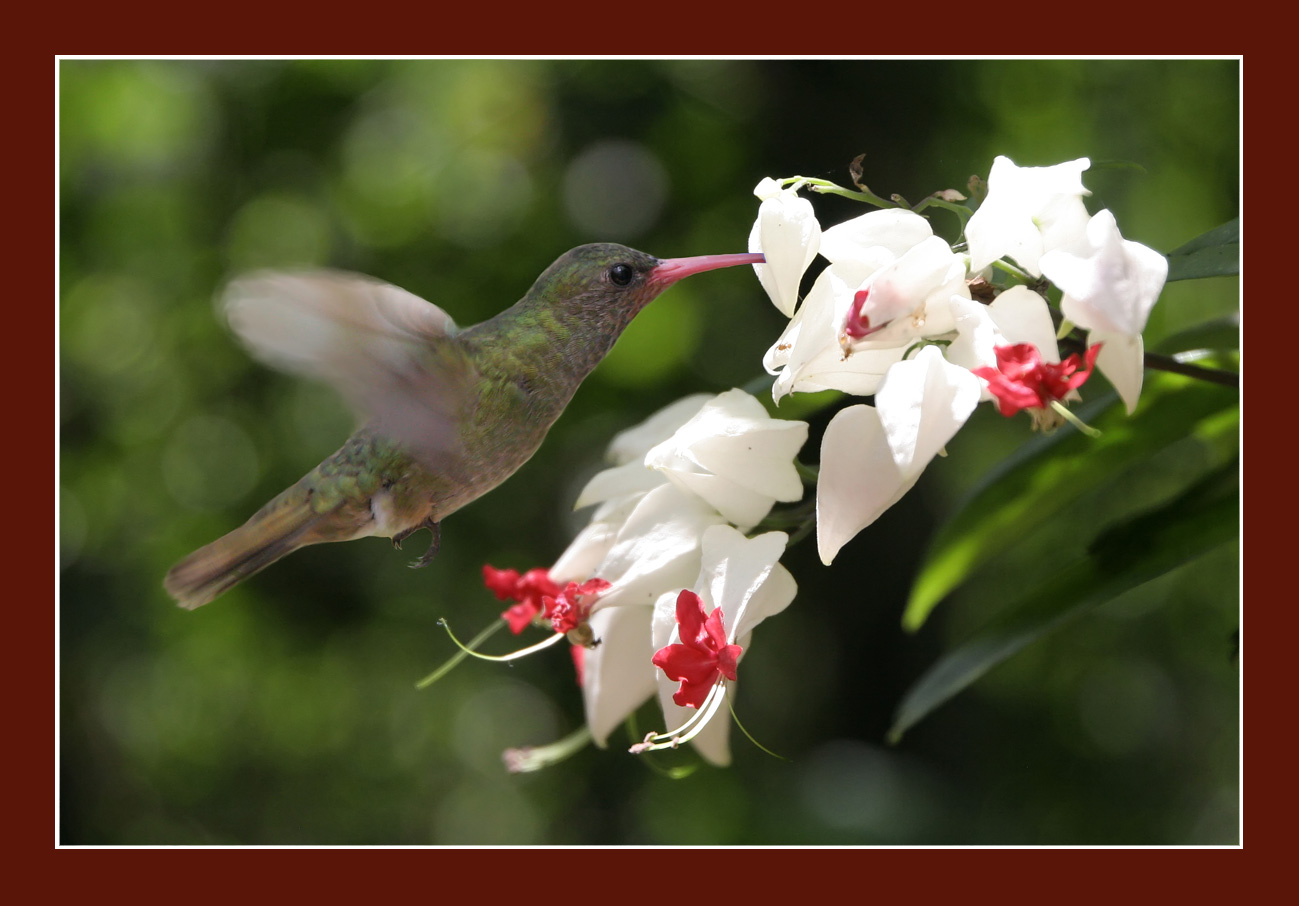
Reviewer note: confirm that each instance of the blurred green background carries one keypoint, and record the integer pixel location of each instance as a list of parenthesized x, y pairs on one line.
[(286, 711)]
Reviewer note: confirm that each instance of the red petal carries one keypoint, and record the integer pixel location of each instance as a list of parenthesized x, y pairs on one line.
[(690, 619), (692, 695), (727, 659), (716, 631), (855, 325), (520, 616), (593, 586), (501, 582), (680, 662)]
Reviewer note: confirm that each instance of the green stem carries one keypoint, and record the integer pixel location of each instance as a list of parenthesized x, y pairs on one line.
[(534, 758), (825, 187), (1003, 265), (459, 655), (868, 197)]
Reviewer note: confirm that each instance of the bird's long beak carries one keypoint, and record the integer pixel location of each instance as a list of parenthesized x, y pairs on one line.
[(671, 270)]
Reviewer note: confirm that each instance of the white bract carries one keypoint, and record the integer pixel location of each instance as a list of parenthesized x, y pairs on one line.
[(788, 234), (735, 456), (1028, 211), (1109, 289), (871, 456)]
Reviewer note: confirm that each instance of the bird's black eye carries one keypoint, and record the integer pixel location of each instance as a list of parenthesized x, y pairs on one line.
[(620, 274)]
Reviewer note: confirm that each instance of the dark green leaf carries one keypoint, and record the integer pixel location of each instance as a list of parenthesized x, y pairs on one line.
[(1213, 254), (1049, 472), (1126, 555)]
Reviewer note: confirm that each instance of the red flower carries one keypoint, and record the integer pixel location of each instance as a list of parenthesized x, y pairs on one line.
[(530, 591), (702, 654), (570, 608), (1022, 380)]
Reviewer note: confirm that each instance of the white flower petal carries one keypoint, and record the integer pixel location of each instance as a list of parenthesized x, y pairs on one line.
[(922, 403), (812, 330), (1028, 211), (1113, 285), (859, 374), (787, 233), (894, 230), (618, 675), (608, 484), (1122, 361), (858, 481), (735, 456), (736, 439), (632, 444), (584, 553), (812, 354), (737, 504), (1018, 315), (656, 548), (903, 286), (628, 449), (744, 577), (1022, 316)]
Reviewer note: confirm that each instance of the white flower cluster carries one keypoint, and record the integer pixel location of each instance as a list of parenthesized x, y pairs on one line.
[(891, 285), (672, 512)]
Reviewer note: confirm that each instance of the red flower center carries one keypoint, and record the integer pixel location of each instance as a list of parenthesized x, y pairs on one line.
[(858, 325), (572, 607)]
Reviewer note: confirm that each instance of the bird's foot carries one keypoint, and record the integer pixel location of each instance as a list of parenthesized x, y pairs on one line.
[(434, 529)]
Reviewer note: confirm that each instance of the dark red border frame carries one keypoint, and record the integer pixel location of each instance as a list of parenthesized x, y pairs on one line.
[(797, 876)]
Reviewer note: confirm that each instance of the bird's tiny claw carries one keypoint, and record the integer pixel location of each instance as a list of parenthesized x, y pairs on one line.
[(436, 531)]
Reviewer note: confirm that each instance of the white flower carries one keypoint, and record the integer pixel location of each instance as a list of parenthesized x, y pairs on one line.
[(864, 312), (725, 449), (1028, 211), (735, 456), (870, 457), (744, 578), (656, 547), (787, 233), (690, 467), (1109, 289)]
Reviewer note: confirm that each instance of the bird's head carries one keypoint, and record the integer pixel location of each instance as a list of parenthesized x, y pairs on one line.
[(607, 284)]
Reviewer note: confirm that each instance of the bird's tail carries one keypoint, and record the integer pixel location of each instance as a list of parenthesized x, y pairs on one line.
[(279, 528)]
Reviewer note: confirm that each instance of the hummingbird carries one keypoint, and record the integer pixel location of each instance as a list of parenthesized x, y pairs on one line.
[(447, 413)]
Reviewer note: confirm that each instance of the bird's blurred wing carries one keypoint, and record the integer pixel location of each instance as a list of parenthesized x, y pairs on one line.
[(389, 354)]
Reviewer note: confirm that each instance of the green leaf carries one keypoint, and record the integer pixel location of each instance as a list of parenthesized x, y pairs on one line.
[(1048, 473), (1213, 254), (1125, 555)]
